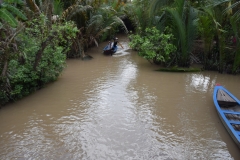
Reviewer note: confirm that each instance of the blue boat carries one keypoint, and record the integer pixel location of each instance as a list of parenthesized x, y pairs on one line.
[(228, 108), (108, 50)]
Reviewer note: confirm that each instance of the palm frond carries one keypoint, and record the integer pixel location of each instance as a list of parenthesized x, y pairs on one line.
[(6, 16), (233, 5), (73, 10), (236, 15), (234, 26), (107, 10), (95, 23), (20, 2), (180, 6), (156, 5), (15, 11), (191, 27), (58, 7), (160, 21), (214, 3), (180, 27), (120, 22), (236, 63), (104, 30)]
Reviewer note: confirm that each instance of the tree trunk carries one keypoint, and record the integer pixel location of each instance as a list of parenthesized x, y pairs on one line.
[(32, 5), (220, 45), (40, 51), (5, 69)]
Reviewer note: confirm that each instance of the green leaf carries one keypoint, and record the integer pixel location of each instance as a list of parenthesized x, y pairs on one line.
[(17, 12), (8, 17), (14, 1)]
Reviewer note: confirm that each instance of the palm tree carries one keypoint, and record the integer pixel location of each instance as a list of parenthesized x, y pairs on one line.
[(8, 11), (207, 33), (138, 13), (236, 63), (233, 10), (182, 18), (104, 20), (7, 41), (219, 13), (92, 23)]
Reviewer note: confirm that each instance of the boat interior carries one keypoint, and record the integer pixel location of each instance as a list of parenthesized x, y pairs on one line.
[(230, 107)]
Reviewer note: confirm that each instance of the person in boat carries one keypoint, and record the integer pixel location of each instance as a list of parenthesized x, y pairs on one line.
[(109, 45), (115, 42)]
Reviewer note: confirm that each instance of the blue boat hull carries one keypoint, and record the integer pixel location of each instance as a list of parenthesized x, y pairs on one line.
[(228, 108), (109, 51)]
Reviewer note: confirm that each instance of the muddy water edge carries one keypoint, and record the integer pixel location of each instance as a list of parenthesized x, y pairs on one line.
[(119, 107)]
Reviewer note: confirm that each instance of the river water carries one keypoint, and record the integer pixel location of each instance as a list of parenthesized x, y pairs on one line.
[(119, 108)]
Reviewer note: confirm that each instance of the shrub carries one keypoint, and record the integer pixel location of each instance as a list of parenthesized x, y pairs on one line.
[(153, 45), (43, 58)]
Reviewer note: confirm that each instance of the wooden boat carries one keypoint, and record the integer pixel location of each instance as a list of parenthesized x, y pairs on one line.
[(228, 108), (108, 50)]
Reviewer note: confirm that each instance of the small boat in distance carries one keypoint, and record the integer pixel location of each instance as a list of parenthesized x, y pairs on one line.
[(108, 50), (228, 108)]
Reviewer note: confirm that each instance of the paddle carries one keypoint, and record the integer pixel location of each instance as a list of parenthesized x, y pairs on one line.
[(116, 40), (120, 45)]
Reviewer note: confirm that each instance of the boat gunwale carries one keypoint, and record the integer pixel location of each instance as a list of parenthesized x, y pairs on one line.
[(222, 114), (107, 50)]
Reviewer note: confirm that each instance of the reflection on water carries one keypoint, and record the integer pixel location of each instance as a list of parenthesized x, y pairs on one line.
[(200, 82), (117, 107)]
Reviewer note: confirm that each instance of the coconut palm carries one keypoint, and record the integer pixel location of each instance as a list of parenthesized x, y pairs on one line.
[(92, 22), (104, 20)]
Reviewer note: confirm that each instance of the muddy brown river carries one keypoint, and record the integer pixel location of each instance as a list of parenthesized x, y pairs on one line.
[(119, 108)]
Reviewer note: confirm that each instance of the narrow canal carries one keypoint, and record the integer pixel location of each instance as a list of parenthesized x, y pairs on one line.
[(119, 108)]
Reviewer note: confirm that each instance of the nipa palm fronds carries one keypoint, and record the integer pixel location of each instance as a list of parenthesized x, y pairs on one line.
[(95, 24), (6, 16), (179, 25), (236, 15), (16, 12), (7, 13), (191, 29), (73, 10), (14, 1), (119, 21), (58, 7), (214, 3), (157, 5)]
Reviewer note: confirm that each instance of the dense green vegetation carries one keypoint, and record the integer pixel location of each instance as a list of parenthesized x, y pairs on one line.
[(154, 46), (37, 36), (203, 31)]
